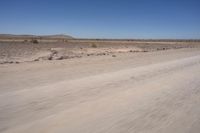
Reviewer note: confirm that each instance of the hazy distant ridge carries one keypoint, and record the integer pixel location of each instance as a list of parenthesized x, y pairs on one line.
[(11, 36)]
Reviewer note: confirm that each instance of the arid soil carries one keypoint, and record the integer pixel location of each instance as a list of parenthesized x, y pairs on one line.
[(18, 52), (155, 88)]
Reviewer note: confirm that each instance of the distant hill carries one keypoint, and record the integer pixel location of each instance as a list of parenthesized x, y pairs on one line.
[(11, 36)]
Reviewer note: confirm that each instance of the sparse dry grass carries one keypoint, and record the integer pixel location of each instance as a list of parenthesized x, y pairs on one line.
[(94, 45)]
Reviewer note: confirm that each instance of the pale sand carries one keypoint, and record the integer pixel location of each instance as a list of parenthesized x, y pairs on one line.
[(154, 92)]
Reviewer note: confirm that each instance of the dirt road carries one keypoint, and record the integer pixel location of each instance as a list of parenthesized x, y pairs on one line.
[(155, 92)]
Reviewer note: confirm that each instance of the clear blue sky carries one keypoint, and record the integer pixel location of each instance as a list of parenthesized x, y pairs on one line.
[(102, 18)]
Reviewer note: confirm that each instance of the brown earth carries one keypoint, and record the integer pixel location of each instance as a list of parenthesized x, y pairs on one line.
[(18, 52)]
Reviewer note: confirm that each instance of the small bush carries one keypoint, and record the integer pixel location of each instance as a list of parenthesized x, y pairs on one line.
[(35, 41), (94, 45), (64, 40)]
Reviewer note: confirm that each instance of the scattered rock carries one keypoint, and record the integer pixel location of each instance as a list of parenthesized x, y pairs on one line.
[(114, 56), (50, 57), (36, 60), (9, 62)]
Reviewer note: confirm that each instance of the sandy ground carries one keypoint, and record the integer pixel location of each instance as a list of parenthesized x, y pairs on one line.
[(145, 92)]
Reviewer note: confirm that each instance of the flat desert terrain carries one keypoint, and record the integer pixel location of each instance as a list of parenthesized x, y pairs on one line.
[(100, 87)]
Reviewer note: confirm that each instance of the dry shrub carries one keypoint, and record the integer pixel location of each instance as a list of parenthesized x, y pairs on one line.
[(94, 45), (35, 41)]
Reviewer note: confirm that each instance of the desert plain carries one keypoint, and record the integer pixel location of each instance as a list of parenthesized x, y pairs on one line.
[(67, 85)]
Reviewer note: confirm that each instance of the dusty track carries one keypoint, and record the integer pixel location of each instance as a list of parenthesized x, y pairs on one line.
[(145, 92)]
